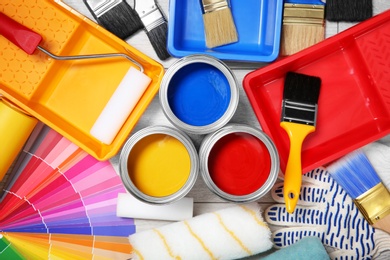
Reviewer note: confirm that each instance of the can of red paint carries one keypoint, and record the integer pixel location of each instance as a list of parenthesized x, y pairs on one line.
[(239, 163), (199, 94)]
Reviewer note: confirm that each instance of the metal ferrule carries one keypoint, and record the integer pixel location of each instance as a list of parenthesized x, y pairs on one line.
[(214, 5), (149, 13), (308, 112), (374, 204), (303, 14), (100, 7)]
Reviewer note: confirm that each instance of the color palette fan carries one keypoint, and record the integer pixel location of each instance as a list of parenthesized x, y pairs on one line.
[(60, 203)]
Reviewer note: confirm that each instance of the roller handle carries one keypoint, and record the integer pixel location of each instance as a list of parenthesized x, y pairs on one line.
[(19, 35), (293, 174)]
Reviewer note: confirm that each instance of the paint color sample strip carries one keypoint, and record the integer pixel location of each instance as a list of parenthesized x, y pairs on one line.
[(63, 202), (74, 246), (8, 251)]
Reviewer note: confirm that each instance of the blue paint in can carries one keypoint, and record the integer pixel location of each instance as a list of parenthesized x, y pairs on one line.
[(199, 94)]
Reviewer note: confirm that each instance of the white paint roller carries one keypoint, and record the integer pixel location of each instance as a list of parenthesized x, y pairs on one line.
[(120, 105), (230, 233), (130, 207)]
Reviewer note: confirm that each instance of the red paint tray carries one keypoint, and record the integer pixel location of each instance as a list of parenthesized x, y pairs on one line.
[(354, 103)]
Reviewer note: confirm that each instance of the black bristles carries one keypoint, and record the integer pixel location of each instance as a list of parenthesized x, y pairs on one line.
[(348, 10), (301, 88), (300, 98), (158, 39), (121, 20)]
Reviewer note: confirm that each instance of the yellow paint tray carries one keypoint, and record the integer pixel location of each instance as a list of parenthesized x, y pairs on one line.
[(68, 96)]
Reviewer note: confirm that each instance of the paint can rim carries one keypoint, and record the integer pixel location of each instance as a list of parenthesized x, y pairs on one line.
[(218, 64), (152, 130), (208, 143)]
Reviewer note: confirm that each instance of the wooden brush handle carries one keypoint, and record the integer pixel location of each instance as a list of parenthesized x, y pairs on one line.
[(293, 174), (18, 34)]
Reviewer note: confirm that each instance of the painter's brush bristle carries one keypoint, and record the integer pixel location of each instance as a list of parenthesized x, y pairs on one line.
[(219, 27), (117, 17), (355, 174), (299, 37), (155, 24), (158, 39), (348, 10), (300, 98)]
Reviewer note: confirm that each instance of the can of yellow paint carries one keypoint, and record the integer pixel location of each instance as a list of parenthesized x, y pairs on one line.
[(15, 128), (159, 164)]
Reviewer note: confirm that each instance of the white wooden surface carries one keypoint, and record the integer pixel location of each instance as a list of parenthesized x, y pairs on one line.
[(205, 201)]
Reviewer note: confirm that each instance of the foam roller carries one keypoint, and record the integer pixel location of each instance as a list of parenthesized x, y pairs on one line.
[(130, 207), (119, 106), (230, 233)]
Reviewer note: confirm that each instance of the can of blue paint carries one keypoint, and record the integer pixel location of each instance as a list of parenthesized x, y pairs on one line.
[(199, 94)]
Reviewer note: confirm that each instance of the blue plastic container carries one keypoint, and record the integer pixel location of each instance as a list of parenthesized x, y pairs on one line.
[(258, 23)]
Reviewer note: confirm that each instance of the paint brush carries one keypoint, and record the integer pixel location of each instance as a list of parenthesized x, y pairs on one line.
[(219, 25), (116, 16), (348, 10), (303, 25), (357, 176), (155, 25), (298, 119)]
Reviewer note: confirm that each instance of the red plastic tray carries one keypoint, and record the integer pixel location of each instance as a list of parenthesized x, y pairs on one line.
[(354, 103)]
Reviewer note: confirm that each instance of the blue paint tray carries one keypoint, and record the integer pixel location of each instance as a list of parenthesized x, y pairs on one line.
[(258, 23)]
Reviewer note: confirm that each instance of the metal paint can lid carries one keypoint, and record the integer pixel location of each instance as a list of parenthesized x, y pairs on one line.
[(239, 163), (199, 94), (159, 165)]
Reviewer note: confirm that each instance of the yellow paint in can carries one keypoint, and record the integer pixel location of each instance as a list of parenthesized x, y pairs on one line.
[(159, 165)]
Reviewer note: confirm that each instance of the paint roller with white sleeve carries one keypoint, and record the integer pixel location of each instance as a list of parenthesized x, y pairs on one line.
[(231, 233), (120, 105)]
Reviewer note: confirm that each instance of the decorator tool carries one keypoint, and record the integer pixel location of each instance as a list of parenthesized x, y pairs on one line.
[(230, 233), (299, 116), (116, 16), (123, 99), (303, 25), (348, 10), (219, 25), (130, 207), (155, 24), (29, 41), (353, 66), (357, 176)]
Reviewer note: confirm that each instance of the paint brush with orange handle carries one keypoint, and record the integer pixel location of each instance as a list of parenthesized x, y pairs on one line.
[(299, 114)]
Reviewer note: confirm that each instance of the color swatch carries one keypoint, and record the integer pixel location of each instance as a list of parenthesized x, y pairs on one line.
[(61, 202)]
